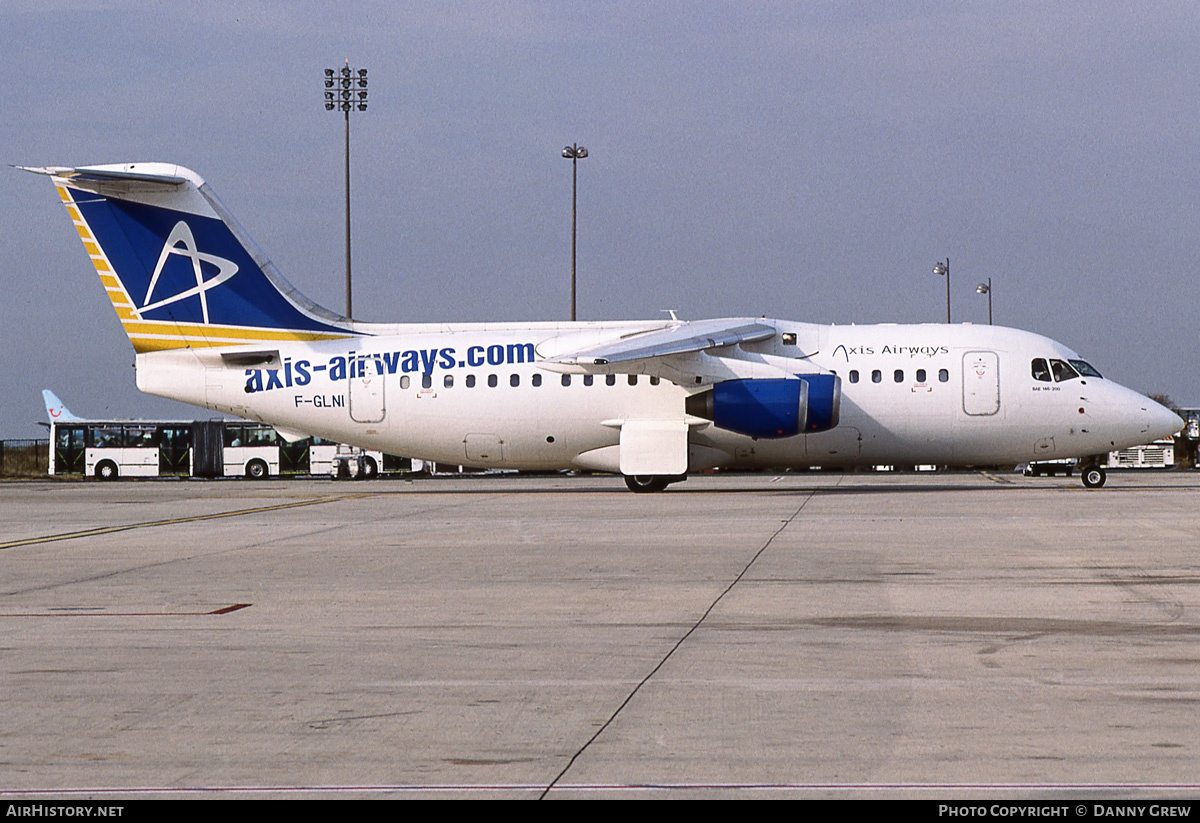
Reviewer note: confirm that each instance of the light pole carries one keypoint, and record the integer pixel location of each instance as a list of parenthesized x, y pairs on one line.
[(942, 269), (986, 288), (345, 92), (573, 153)]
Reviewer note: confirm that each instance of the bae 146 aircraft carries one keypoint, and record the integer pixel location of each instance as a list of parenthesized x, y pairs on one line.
[(214, 324)]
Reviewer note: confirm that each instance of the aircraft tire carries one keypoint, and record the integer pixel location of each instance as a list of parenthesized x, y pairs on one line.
[(257, 470), (1093, 477), (645, 483), (106, 470)]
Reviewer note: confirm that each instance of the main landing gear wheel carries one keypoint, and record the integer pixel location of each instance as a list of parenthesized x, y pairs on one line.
[(642, 483), (1093, 477)]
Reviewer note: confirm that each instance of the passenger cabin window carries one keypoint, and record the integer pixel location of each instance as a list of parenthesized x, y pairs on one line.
[(536, 380), (514, 380), (654, 381), (943, 375), (566, 379), (404, 381), (448, 381), (1040, 370), (491, 381), (898, 376), (1062, 371), (920, 375), (587, 380), (876, 376), (633, 379), (610, 380), (470, 381), (427, 381), (854, 375)]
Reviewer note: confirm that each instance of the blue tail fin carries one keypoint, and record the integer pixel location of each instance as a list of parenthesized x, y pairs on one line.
[(56, 409), (178, 268)]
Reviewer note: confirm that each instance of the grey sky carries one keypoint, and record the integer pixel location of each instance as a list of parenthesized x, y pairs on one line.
[(808, 161)]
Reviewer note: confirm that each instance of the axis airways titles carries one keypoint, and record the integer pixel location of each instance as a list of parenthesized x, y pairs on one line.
[(352, 364), (907, 351)]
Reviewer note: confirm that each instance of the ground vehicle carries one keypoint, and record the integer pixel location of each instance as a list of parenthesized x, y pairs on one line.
[(1050, 467), (108, 449)]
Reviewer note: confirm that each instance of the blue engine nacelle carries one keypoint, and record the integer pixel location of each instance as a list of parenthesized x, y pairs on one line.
[(773, 407), (824, 401)]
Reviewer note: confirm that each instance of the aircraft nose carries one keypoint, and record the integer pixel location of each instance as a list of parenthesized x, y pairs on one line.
[(1163, 422)]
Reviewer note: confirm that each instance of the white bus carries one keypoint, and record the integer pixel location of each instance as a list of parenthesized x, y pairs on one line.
[(109, 449)]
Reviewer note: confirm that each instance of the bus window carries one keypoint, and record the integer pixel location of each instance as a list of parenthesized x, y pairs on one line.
[(140, 437), (105, 437), (260, 436)]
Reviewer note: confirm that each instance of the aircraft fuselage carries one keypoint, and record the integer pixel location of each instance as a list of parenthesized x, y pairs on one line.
[(484, 395)]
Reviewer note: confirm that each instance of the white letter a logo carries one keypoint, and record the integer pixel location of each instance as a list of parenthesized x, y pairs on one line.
[(181, 242)]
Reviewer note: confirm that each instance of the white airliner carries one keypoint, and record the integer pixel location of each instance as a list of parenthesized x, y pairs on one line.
[(215, 324)]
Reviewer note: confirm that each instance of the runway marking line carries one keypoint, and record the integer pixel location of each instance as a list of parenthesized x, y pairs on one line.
[(90, 612), (174, 521)]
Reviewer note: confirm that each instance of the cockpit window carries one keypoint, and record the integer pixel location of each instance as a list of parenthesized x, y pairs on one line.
[(1040, 370), (1062, 371), (1085, 368)]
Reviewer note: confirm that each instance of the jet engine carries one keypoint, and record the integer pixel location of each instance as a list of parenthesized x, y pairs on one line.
[(771, 408)]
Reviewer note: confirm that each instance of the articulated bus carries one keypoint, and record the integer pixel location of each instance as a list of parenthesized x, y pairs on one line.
[(108, 449)]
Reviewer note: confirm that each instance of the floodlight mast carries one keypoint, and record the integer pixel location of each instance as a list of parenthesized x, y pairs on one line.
[(574, 153), (346, 91)]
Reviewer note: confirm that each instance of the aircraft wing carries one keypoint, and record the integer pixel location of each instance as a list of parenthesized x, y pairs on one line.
[(685, 338)]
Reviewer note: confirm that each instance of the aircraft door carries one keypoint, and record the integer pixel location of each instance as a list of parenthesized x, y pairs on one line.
[(366, 390), (981, 383)]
